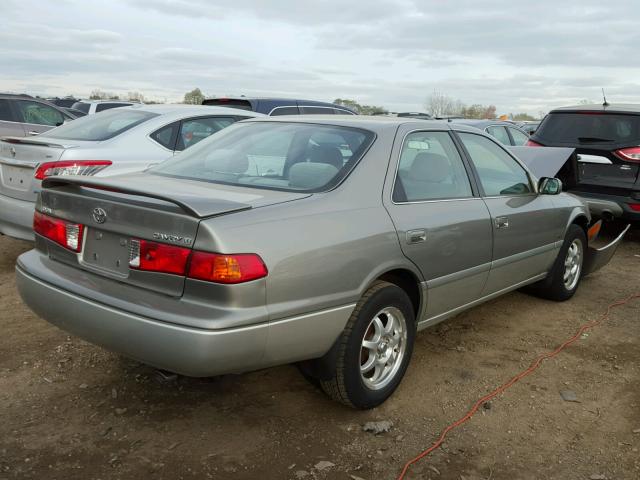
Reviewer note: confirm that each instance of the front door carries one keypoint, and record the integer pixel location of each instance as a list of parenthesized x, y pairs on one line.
[(525, 224), (443, 226)]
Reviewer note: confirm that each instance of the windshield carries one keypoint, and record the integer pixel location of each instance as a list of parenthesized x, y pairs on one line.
[(281, 156), (102, 126), (590, 128)]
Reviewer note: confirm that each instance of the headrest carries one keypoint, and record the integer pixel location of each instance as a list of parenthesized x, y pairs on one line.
[(326, 154), (311, 175), (430, 167)]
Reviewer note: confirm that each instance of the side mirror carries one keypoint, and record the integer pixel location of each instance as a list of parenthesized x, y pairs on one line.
[(549, 186)]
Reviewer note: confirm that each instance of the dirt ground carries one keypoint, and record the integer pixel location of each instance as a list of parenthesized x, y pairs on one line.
[(70, 410)]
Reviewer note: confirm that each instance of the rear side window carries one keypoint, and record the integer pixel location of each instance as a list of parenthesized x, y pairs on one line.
[(282, 156), (339, 111), (590, 128), (39, 113), (500, 134), (101, 127), (166, 136), (519, 138), (195, 130), (5, 111), (316, 111), (106, 106), (284, 111), (499, 173), (430, 168)]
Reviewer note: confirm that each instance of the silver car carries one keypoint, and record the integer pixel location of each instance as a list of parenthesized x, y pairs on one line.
[(326, 241), (121, 140)]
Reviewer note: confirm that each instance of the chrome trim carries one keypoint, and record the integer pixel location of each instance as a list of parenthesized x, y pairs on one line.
[(459, 275), (310, 106), (522, 255), (443, 316)]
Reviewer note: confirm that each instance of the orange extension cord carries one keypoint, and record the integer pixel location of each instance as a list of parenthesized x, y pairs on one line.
[(534, 365)]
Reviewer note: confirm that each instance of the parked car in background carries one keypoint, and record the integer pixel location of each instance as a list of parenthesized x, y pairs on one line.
[(66, 102), (89, 107), (121, 140), (505, 132), (607, 141), (529, 127), (23, 115), (74, 112), (279, 106), (325, 240)]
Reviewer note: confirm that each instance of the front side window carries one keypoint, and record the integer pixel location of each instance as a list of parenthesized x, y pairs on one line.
[(283, 156), (284, 111), (5, 111), (39, 113), (430, 168), (500, 134), (101, 127), (500, 174), (316, 111), (519, 138), (194, 130)]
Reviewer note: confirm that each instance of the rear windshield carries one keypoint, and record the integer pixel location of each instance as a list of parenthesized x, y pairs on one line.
[(83, 107), (229, 102), (102, 126), (590, 128), (280, 156)]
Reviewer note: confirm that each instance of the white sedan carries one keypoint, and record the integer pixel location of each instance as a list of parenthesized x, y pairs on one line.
[(112, 142)]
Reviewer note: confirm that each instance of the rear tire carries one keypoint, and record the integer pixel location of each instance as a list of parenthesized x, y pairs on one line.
[(564, 277), (374, 350)]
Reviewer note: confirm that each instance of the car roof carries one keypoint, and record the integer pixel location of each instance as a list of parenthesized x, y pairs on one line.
[(375, 123), (183, 109), (481, 123), (600, 107), (134, 102)]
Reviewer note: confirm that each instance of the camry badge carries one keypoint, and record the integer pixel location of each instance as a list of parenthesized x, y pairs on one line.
[(99, 215)]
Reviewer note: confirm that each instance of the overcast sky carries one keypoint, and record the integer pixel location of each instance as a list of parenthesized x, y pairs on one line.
[(519, 56)]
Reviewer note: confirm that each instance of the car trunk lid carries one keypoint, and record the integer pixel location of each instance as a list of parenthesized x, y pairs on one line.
[(120, 213), (19, 158)]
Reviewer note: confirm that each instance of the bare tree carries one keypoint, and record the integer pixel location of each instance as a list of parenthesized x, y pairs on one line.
[(438, 104), (194, 97)]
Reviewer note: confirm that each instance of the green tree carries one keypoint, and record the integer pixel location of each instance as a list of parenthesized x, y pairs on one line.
[(360, 109), (522, 117), (194, 97)]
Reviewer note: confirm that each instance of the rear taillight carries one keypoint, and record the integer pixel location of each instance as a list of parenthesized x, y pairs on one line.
[(220, 268), (531, 143), (631, 154), (158, 257), (64, 233), (634, 206), (70, 167)]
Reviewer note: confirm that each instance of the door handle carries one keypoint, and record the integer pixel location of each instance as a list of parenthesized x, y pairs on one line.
[(501, 222), (416, 236), (33, 132)]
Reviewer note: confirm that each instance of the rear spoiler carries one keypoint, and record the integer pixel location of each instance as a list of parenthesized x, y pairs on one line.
[(197, 206), (31, 141)]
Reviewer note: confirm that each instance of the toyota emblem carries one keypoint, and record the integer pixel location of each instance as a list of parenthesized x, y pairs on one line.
[(99, 215)]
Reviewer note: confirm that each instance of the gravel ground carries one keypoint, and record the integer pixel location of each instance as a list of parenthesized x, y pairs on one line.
[(70, 410)]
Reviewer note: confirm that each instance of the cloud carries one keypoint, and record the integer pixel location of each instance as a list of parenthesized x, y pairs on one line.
[(387, 52)]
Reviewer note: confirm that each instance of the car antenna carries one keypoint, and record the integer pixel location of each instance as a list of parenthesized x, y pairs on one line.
[(605, 103)]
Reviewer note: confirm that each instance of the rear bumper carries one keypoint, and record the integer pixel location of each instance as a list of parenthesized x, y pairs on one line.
[(178, 348), (16, 218), (623, 201)]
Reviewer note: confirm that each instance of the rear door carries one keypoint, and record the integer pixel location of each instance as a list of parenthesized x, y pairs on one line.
[(601, 140), (443, 226), (525, 225), (10, 125)]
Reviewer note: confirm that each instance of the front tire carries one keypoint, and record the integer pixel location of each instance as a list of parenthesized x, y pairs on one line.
[(565, 275), (374, 350)]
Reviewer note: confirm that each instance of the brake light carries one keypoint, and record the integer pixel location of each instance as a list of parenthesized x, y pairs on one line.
[(64, 233), (158, 257), (220, 268), (531, 143), (631, 154), (70, 167), (635, 207)]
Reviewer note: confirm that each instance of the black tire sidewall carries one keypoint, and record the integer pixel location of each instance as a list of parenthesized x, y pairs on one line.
[(359, 394), (557, 288)]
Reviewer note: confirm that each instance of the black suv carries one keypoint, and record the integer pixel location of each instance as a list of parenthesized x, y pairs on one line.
[(607, 141), (279, 106)]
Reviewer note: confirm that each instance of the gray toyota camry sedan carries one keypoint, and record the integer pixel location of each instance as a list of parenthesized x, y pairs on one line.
[(322, 240)]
